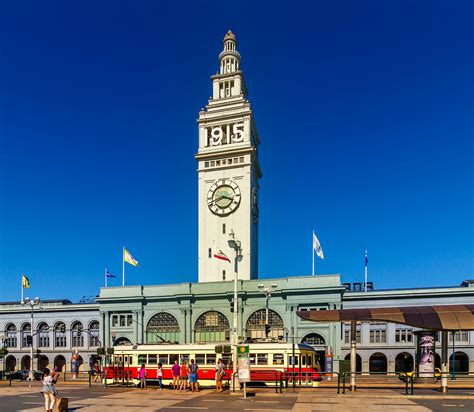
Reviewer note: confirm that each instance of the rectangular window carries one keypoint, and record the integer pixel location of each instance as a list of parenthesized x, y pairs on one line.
[(141, 359), (262, 359), (122, 320), (206, 164), (290, 360), (347, 333), (211, 358), (223, 275), (218, 162), (223, 228), (241, 160), (129, 320), (278, 358), (173, 357), (229, 161), (163, 358), (183, 358), (253, 358), (210, 252), (378, 332), (200, 359), (213, 163), (115, 320), (152, 360)]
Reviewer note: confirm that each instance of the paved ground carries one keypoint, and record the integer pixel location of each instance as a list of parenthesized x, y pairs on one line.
[(21, 397)]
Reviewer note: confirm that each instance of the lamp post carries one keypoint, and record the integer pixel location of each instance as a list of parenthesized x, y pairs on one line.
[(32, 302), (267, 290), (236, 245)]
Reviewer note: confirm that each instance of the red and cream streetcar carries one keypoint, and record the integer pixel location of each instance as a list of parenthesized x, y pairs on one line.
[(266, 360)]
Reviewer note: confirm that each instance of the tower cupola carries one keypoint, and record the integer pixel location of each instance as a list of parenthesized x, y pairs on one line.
[(229, 58)]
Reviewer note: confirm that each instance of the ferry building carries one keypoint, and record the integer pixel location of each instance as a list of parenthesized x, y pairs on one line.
[(229, 176)]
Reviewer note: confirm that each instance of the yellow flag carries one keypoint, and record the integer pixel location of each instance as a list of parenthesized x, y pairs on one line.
[(25, 282), (127, 257)]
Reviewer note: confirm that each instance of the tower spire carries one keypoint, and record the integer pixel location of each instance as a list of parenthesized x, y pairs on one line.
[(229, 58)]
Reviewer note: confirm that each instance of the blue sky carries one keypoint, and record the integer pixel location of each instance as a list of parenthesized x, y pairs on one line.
[(365, 111)]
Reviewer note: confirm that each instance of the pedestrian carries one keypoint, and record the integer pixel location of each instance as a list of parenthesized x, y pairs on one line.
[(183, 376), (48, 390), (159, 375), (142, 376), (176, 370), (193, 374), (96, 372), (220, 372)]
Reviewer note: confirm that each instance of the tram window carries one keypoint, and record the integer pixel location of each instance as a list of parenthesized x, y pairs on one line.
[(183, 358), (126, 359), (200, 359), (303, 360), (174, 357), (253, 359), (211, 358), (262, 359), (278, 359), (152, 360), (141, 359), (290, 360), (164, 358)]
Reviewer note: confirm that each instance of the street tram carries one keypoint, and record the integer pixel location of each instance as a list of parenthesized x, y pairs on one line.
[(267, 360)]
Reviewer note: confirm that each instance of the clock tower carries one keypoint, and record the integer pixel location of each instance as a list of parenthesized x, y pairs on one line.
[(228, 173)]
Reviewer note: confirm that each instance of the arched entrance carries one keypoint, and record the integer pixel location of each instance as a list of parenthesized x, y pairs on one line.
[(25, 362), (211, 326), (255, 327), (59, 362), (437, 359), (43, 362), (121, 341), (10, 363), (461, 362), (378, 362), (313, 339), (162, 327), (358, 361), (404, 362)]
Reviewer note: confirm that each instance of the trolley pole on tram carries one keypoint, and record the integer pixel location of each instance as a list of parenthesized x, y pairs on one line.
[(236, 245)]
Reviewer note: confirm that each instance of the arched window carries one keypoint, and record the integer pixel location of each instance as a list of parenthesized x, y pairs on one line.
[(404, 362), (256, 325), (25, 332), (10, 336), (94, 333), (211, 326), (314, 339), (43, 335), (162, 327), (461, 362), (121, 341), (358, 361), (60, 335), (76, 335), (378, 363)]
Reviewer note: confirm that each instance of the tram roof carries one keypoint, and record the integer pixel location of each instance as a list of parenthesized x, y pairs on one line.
[(441, 317), (209, 346)]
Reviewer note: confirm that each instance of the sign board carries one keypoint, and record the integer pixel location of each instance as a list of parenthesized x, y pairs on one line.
[(243, 363)]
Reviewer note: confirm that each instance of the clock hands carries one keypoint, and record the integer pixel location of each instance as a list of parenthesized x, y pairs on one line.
[(220, 198)]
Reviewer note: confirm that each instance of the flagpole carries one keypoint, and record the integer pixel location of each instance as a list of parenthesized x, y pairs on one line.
[(312, 242), (105, 275), (22, 300), (123, 267), (365, 270)]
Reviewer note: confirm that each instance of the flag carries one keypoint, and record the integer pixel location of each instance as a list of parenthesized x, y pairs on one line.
[(317, 247), (25, 282), (109, 275), (221, 255), (127, 257)]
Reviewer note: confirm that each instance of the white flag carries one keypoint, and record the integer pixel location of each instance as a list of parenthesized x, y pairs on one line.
[(317, 247)]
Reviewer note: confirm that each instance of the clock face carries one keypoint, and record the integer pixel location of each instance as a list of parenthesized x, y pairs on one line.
[(223, 197)]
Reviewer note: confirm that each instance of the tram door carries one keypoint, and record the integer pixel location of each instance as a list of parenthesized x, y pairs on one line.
[(118, 368)]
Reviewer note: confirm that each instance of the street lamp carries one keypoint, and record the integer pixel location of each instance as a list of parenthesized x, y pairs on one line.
[(32, 302), (267, 291), (236, 245)]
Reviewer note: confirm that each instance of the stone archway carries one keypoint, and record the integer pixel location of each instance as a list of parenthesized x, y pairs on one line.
[(10, 363), (162, 327), (404, 362), (255, 326), (43, 362), (461, 362), (211, 326), (313, 339), (25, 362), (378, 363), (358, 361), (59, 362)]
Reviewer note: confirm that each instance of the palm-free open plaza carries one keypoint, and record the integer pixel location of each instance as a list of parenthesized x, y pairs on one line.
[(393, 331)]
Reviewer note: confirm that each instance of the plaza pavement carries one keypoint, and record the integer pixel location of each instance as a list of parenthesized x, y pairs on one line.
[(22, 397)]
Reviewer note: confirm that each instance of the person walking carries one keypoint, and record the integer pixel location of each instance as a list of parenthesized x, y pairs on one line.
[(183, 376), (159, 375), (49, 391), (220, 372), (176, 370), (193, 373), (142, 376)]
